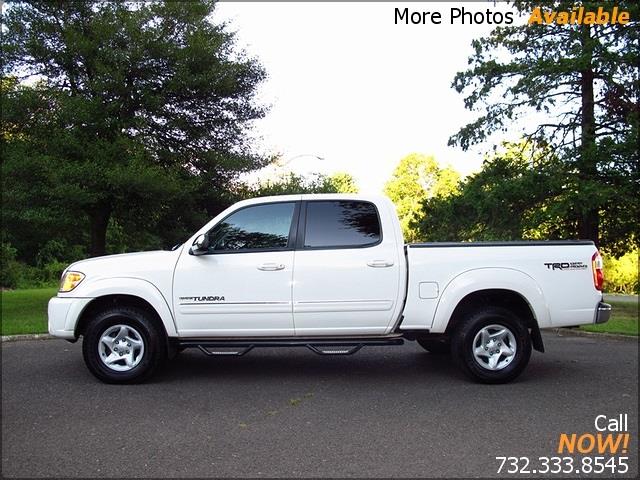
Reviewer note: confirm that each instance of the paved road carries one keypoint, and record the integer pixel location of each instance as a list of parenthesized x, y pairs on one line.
[(385, 412)]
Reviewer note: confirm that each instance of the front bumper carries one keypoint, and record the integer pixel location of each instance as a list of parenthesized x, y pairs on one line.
[(603, 313), (63, 314)]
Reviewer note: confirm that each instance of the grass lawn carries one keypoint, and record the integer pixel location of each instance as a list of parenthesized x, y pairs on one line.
[(25, 311), (624, 319)]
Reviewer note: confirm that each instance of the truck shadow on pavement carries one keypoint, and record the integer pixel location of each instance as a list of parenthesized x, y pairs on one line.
[(369, 367)]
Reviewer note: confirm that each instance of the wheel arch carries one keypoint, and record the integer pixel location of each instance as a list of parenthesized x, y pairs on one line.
[(508, 299), (116, 300), (127, 292), (505, 288)]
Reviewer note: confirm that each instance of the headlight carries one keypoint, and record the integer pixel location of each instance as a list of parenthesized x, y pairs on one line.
[(70, 280)]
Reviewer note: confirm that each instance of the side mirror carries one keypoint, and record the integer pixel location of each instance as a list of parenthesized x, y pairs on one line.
[(200, 245)]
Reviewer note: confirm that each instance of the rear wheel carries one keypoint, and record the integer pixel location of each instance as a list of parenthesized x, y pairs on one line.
[(492, 345), (122, 345)]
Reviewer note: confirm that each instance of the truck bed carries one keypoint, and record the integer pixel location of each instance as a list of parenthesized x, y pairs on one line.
[(556, 281)]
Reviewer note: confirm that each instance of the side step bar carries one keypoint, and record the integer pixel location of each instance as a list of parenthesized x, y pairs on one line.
[(322, 346)]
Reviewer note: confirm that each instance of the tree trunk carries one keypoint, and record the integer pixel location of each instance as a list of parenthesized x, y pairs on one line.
[(589, 221), (99, 218)]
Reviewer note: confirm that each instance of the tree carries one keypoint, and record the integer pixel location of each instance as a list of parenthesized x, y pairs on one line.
[(343, 183), (291, 183), (134, 104), (584, 80), (30, 214), (417, 178), (515, 196)]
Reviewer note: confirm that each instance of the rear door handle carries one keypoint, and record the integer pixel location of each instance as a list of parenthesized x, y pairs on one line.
[(380, 264), (270, 267)]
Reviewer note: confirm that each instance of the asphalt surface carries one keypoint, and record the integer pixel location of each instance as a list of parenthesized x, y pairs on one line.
[(384, 412)]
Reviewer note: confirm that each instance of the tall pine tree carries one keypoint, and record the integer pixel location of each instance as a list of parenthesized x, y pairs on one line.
[(583, 80)]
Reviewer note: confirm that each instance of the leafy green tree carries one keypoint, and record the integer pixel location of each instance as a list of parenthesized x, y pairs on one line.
[(517, 194), (135, 106), (417, 178), (291, 183), (9, 268), (621, 274), (343, 182), (584, 80), (31, 212)]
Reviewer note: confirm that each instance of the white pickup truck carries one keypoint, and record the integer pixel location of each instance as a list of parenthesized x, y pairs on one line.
[(331, 273)]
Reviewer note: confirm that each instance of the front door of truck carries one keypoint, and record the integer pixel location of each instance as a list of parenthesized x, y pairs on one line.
[(242, 284)]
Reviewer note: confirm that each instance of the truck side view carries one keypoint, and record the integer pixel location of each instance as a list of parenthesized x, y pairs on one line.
[(329, 272)]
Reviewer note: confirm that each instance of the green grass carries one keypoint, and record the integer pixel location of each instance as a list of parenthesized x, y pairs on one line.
[(25, 311), (624, 320)]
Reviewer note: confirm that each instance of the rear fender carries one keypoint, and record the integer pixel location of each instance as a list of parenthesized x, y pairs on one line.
[(486, 279)]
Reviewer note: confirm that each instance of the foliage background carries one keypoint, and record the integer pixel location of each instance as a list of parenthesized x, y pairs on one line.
[(126, 126)]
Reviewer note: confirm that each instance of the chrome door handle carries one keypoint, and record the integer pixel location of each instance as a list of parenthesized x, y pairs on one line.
[(380, 264), (271, 267)]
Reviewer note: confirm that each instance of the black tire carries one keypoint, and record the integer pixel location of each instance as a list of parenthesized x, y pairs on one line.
[(438, 346), (463, 346), (150, 356)]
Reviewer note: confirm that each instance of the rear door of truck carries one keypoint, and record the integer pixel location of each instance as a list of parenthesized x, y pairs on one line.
[(346, 269)]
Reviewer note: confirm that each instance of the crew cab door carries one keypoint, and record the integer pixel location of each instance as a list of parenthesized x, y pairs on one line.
[(241, 286), (347, 274)]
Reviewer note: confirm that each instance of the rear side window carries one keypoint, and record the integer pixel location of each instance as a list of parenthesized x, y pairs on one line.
[(341, 223), (261, 227)]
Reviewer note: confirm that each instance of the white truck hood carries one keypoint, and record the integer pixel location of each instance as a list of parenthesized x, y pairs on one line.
[(145, 265)]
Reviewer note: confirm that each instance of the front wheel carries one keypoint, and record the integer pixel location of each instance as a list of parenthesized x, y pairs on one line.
[(492, 345), (122, 345)]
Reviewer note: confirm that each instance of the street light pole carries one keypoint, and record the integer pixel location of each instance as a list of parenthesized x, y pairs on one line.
[(313, 155)]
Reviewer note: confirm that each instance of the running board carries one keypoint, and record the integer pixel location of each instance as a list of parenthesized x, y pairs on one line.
[(222, 353), (237, 347)]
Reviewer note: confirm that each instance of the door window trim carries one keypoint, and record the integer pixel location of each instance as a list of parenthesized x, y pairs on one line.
[(291, 241), (302, 227)]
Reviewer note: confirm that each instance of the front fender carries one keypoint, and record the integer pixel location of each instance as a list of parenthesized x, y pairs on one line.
[(487, 279), (136, 287)]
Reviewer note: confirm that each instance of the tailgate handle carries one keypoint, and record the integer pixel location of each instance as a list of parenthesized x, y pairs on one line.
[(271, 267), (380, 264)]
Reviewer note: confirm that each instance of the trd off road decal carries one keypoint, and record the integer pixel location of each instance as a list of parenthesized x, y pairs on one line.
[(204, 299), (566, 266)]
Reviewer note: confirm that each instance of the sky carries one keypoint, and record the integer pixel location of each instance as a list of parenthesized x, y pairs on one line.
[(347, 84)]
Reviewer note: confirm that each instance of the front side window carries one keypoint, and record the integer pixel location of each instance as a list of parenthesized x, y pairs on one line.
[(341, 223), (261, 227)]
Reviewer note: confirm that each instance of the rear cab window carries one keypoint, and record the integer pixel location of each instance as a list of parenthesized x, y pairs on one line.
[(341, 224)]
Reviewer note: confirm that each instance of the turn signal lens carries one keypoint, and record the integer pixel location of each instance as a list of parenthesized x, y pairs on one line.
[(70, 280), (598, 270)]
